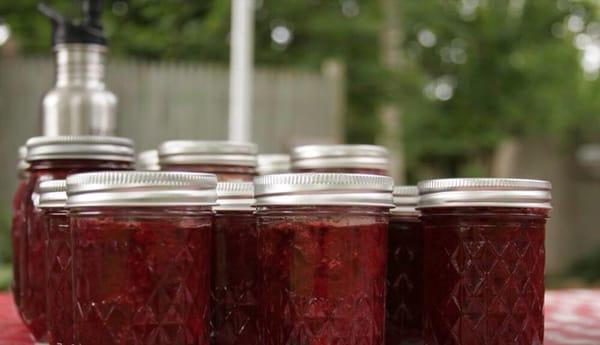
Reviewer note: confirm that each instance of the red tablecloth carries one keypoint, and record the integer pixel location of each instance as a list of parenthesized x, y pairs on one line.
[(572, 318)]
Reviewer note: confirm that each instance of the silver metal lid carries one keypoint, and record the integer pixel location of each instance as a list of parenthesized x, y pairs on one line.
[(273, 164), (141, 188), (147, 161), (52, 194), (500, 192), (176, 152), (22, 165), (324, 189), (406, 199), (80, 147), (340, 156), (235, 196)]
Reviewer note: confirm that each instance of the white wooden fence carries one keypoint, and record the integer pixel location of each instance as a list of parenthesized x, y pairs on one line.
[(160, 101)]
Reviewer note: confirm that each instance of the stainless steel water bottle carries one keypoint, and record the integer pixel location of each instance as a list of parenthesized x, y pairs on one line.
[(79, 103)]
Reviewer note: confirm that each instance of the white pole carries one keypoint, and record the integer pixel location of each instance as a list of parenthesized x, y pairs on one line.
[(241, 68)]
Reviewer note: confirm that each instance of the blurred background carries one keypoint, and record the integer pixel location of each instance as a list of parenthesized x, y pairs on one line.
[(452, 87)]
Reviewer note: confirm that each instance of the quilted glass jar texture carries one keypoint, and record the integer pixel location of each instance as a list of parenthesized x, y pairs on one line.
[(484, 260)]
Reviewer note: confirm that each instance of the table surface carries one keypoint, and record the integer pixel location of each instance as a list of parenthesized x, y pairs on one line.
[(572, 318)]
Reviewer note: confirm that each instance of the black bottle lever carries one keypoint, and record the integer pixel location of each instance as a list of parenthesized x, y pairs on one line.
[(65, 30)]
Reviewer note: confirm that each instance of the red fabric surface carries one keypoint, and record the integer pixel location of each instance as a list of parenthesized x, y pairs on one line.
[(572, 318), (12, 330)]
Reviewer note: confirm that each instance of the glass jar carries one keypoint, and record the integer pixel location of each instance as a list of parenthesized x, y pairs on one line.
[(273, 163), (484, 260), (54, 158), (404, 299), (230, 161), (355, 159), (59, 287), (322, 258), (235, 264), (141, 256), (147, 161), (17, 223)]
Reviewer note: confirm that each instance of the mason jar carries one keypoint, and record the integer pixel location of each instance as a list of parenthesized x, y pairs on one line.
[(484, 260), (59, 279), (230, 161), (356, 159), (404, 301), (53, 158), (141, 256), (273, 163), (235, 264), (17, 222), (322, 258)]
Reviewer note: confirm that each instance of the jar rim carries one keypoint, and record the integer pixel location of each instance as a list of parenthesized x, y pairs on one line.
[(273, 163), (340, 156), (147, 160), (235, 196), (52, 193), (182, 152), (490, 192), (89, 147), (340, 189), (406, 199), (141, 188)]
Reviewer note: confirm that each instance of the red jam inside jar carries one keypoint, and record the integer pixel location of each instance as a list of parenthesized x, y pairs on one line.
[(59, 274), (32, 247), (404, 300), (235, 264), (321, 274), (17, 233), (484, 275), (141, 275)]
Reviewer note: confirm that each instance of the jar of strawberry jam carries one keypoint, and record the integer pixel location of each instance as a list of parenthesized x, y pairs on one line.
[(17, 222), (404, 300), (59, 301), (484, 260), (235, 264), (141, 256), (356, 159), (322, 258), (54, 158), (230, 161)]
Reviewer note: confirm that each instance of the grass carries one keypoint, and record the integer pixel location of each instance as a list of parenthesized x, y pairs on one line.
[(5, 276)]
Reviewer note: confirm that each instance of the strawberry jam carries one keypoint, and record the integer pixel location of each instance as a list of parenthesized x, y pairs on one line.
[(404, 299), (17, 228), (53, 158), (59, 269), (404, 303), (322, 278), (141, 275), (32, 249), (322, 250), (235, 266), (141, 257), (484, 262)]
